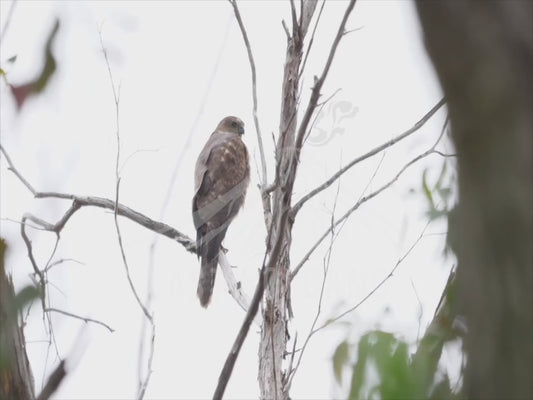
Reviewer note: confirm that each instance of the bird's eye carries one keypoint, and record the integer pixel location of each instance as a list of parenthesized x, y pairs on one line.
[(233, 123)]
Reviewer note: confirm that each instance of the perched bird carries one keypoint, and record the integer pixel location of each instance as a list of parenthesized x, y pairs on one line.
[(221, 178)]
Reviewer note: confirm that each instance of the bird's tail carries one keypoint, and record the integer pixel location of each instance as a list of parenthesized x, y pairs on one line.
[(208, 270)]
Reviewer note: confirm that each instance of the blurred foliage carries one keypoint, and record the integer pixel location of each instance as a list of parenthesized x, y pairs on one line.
[(385, 369), (11, 306), (340, 358), (439, 193), (381, 365), (35, 86)]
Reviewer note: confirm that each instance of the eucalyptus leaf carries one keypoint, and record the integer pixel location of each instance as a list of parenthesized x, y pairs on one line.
[(340, 358)]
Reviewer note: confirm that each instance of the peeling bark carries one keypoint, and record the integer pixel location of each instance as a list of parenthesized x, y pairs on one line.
[(277, 310), (483, 55)]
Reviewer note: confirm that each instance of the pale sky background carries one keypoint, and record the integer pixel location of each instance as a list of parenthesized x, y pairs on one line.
[(182, 66)]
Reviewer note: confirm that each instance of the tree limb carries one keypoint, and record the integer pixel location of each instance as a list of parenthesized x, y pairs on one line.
[(367, 155), (361, 201), (85, 319), (158, 227)]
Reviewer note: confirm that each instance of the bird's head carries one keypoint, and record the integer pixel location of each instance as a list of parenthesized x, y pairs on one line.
[(232, 125)]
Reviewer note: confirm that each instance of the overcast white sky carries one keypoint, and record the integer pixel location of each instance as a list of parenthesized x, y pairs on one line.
[(182, 66)]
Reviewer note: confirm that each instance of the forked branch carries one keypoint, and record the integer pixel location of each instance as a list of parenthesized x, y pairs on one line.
[(367, 155), (161, 228)]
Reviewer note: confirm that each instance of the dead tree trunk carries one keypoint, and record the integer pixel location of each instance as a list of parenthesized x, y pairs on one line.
[(273, 378), (483, 55)]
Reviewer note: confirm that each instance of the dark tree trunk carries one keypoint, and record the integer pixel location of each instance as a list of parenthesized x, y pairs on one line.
[(483, 55), (16, 380)]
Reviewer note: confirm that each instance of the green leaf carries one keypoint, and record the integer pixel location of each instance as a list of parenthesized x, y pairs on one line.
[(24, 297), (2, 72), (443, 390), (358, 376), (22, 92), (442, 174), (435, 213), (340, 358), (426, 189), (389, 357), (50, 64)]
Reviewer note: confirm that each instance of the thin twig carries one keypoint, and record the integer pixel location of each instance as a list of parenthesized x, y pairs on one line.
[(357, 205), (185, 148), (286, 30), (38, 228), (61, 261), (18, 175), (144, 384), (325, 270), (310, 44), (367, 155), (381, 283), (328, 253), (265, 196), (85, 319), (143, 307), (315, 94), (321, 105), (254, 91), (116, 99), (420, 310)]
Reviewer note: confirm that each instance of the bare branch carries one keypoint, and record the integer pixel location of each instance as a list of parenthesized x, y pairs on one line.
[(367, 155), (21, 178), (325, 270), (287, 33), (144, 384), (381, 283), (265, 196), (116, 98), (234, 287), (307, 10), (353, 30), (61, 261), (254, 91), (358, 204), (376, 288), (85, 319), (125, 262), (310, 44), (315, 94), (295, 24), (321, 106), (135, 216)]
